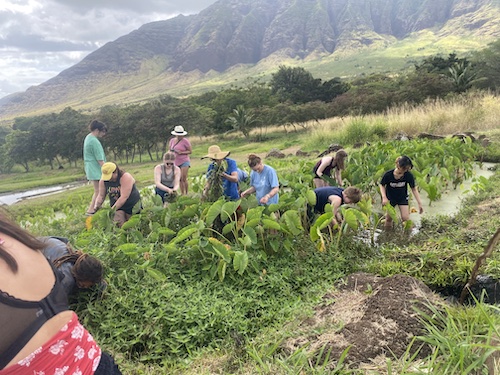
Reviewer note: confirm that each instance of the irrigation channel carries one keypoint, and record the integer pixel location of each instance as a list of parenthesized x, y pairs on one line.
[(12, 198)]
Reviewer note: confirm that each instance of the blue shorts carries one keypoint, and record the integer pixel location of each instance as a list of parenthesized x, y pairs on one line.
[(185, 164)]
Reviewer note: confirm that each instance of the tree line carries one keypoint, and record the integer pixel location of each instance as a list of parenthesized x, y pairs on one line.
[(291, 98)]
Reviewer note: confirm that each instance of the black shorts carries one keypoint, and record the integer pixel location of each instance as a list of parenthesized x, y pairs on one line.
[(402, 203), (107, 366)]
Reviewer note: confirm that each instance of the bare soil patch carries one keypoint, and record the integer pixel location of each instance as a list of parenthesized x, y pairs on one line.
[(374, 316)]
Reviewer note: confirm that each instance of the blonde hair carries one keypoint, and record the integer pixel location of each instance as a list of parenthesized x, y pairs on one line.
[(168, 156), (353, 193)]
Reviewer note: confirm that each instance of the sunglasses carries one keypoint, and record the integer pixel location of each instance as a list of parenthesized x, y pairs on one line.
[(169, 163)]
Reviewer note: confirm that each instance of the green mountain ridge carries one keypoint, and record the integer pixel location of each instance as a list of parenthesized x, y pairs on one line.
[(233, 41)]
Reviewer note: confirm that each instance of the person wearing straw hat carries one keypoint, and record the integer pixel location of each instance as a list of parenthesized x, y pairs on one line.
[(124, 198), (222, 175), (181, 147)]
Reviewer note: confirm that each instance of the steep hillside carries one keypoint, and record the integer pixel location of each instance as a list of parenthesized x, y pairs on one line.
[(234, 39)]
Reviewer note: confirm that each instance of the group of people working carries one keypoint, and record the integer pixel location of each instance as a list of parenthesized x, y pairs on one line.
[(170, 177)]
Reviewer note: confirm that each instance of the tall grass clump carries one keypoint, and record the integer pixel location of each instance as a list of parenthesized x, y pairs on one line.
[(463, 340)]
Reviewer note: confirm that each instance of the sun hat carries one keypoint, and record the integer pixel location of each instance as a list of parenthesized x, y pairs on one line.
[(178, 130), (107, 170), (214, 152)]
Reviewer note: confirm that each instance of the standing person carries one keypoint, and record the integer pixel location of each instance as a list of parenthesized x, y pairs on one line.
[(221, 173), (325, 166), (40, 335), (94, 158), (181, 147), (394, 189), (81, 271), (336, 196), (123, 194), (263, 182), (167, 178)]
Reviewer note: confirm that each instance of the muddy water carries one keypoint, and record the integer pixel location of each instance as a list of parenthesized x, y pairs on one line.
[(450, 201)]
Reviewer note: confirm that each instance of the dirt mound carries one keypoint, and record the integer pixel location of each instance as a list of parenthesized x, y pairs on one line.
[(373, 315)]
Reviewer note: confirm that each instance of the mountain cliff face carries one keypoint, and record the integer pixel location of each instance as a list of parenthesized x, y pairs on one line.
[(232, 32)]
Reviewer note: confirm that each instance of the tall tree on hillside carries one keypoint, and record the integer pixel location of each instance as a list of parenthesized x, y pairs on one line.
[(241, 120), (294, 84), (18, 148)]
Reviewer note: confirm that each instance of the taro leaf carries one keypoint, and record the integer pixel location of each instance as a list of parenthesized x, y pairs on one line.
[(350, 218), (166, 231), (228, 227), (155, 274), (273, 207), (220, 249), (245, 241), (252, 223), (392, 212), (311, 197), (133, 222), (228, 209), (183, 234), (324, 220), (168, 216), (214, 211), (189, 211), (255, 213), (292, 220), (221, 269), (250, 232), (275, 245), (171, 248), (240, 261), (271, 224), (314, 233), (129, 249), (192, 242)]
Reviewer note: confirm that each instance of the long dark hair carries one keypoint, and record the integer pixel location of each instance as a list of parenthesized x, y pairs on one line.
[(85, 266), (13, 230)]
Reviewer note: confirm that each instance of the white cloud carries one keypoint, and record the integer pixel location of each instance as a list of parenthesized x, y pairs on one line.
[(41, 38)]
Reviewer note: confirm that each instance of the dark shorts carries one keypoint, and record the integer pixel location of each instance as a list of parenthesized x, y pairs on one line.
[(402, 203), (165, 197), (107, 366)]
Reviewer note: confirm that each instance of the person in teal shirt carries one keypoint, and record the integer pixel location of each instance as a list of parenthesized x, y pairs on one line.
[(94, 158), (263, 182)]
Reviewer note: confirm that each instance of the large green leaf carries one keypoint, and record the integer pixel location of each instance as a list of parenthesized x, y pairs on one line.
[(271, 224), (293, 224), (183, 234), (311, 197), (240, 261), (214, 211), (220, 249), (250, 233), (228, 209)]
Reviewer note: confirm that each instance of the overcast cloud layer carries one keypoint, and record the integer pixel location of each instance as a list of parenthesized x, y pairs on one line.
[(41, 38)]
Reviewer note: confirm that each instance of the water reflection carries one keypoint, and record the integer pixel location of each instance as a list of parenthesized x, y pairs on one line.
[(11, 198)]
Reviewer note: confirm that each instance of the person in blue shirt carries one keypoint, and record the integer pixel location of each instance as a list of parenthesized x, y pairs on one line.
[(263, 182), (221, 171)]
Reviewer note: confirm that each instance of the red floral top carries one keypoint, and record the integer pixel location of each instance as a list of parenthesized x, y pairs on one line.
[(71, 351)]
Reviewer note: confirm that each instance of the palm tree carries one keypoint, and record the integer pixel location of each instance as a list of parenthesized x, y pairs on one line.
[(241, 120)]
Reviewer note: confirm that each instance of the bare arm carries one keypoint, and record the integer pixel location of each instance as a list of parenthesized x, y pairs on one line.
[(269, 195), (383, 193), (325, 161), (177, 178), (233, 177), (335, 201), (101, 195), (127, 182), (338, 176), (248, 191), (416, 194)]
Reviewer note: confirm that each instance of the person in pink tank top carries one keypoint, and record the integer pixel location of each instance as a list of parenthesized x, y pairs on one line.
[(181, 147)]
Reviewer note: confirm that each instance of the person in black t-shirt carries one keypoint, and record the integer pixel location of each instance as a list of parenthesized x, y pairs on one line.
[(394, 189)]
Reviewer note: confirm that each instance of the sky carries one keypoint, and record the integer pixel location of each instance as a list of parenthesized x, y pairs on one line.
[(41, 38)]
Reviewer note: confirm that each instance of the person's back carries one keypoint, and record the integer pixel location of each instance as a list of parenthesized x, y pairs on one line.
[(39, 333)]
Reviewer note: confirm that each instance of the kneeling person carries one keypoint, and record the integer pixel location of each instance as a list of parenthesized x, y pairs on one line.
[(167, 178)]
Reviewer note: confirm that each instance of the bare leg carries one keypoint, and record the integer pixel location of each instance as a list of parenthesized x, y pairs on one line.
[(94, 196), (121, 217), (405, 214), (184, 181), (318, 182)]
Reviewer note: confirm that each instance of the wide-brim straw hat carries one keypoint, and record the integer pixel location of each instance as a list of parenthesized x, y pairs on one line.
[(214, 152), (178, 130)]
